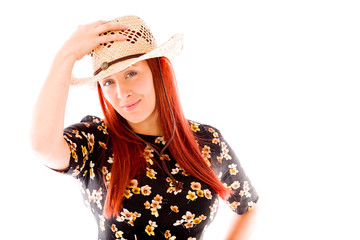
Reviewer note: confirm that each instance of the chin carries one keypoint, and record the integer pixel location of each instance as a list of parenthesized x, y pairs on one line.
[(135, 120)]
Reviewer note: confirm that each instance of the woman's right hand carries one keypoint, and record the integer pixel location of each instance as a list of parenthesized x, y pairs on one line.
[(49, 113), (87, 37)]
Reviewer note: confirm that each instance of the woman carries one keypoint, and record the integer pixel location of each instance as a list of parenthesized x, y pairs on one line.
[(146, 171)]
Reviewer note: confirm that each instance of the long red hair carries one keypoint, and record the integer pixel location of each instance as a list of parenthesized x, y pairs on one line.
[(128, 160)]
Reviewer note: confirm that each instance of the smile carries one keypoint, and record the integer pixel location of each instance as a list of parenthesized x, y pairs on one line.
[(131, 106)]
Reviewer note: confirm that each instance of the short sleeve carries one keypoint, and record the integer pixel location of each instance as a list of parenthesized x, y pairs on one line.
[(229, 170), (86, 141)]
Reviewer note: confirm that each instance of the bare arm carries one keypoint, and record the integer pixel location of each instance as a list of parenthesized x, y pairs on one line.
[(49, 112), (243, 225)]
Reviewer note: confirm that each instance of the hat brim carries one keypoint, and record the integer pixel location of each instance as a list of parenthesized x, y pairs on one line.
[(169, 49)]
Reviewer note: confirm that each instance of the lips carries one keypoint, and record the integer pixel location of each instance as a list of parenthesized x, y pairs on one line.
[(132, 105)]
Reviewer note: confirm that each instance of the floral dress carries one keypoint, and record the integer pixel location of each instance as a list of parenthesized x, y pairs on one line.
[(153, 208)]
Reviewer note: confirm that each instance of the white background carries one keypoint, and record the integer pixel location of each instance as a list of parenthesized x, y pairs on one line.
[(280, 79)]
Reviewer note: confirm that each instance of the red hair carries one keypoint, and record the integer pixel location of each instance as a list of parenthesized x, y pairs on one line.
[(128, 160)]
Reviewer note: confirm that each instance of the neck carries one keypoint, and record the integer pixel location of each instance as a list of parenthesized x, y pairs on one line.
[(150, 126)]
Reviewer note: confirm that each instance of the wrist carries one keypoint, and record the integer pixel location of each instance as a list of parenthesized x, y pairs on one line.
[(67, 56)]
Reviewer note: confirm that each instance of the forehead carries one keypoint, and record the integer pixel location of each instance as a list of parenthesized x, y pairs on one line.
[(136, 66)]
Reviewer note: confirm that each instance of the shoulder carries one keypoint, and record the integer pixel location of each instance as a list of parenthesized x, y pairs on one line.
[(89, 125), (205, 132)]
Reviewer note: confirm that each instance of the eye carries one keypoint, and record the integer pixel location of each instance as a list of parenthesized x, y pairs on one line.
[(130, 74), (107, 82)]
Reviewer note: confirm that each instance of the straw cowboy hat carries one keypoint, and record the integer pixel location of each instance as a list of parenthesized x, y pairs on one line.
[(113, 57)]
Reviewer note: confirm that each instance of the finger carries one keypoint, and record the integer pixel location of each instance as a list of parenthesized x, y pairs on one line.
[(111, 37), (98, 23), (111, 27)]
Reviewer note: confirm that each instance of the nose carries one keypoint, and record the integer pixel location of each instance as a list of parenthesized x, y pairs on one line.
[(123, 91)]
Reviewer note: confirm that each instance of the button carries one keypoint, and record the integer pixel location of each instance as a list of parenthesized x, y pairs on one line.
[(104, 65)]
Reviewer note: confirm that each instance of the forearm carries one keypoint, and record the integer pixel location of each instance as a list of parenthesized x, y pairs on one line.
[(243, 225), (49, 111)]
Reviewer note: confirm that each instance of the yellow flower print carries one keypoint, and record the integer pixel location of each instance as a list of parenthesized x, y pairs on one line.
[(130, 217), (104, 170), (207, 194), (196, 221), (202, 217), (102, 128), (110, 160), (114, 228), (148, 152), (155, 205), (188, 217), (200, 193), (172, 189), (191, 238), (195, 127), (84, 151), (189, 220), (127, 214), (206, 149), (213, 209), (234, 205), (76, 171), (108, 177), (74, 155), (87, 125), (150, 161), (191, 195), (95, 197), (102, 222), (206, 154), (174, 209), (92, 174), (251, 204), (168, 179), (215, 140), (235, 185), (136, 215), (245, 191), (174, 171), (195, 186), (154, 212), (166, 157), (151, 173), (136, 190), (149, 230), (133, 183), (103, 145), (160, 140), (91, 141), (178, 222), (167, 234), (147, 205), (119, 234), (76, 132), (146, 190), (233, 170), (158, 198), (127, 193)]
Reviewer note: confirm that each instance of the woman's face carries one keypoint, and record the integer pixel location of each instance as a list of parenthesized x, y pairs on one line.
[(131, 93)]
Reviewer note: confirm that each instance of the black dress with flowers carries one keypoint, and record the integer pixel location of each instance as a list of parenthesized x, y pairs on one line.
[(152, 207)]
